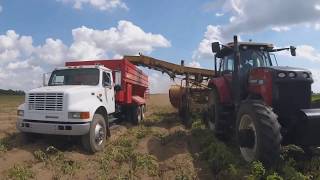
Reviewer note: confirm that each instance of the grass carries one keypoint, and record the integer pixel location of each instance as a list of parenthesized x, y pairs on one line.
[(20, 172), (121, 153), (315, 97), (55, 159)]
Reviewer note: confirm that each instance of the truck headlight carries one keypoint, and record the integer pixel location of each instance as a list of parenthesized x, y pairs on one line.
[(20, 112), (78, 115)]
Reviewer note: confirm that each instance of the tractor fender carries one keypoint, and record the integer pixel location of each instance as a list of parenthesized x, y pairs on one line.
[(223, 89)]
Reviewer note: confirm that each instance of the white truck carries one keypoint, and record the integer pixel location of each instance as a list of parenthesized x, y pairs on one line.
[(82, 98)]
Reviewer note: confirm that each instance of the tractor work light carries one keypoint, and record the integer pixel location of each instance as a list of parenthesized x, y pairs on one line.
[(292, 75), (79, 115), (282, 75), (306, 75)]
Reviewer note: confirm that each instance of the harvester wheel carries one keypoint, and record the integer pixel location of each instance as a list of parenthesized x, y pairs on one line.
[(95, 140), (184, 112), (258, 132)]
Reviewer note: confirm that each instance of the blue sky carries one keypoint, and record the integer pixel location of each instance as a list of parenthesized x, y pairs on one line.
[(59, 30)]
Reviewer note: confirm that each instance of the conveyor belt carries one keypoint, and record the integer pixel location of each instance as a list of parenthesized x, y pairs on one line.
[(170, 68)]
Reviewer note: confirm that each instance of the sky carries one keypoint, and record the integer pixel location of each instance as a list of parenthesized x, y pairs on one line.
[(36, 35)]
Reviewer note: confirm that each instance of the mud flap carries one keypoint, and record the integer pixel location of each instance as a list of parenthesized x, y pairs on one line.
[(308, 128)]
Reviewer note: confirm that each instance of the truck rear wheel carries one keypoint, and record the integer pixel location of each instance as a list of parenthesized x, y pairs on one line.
[(258, 132), (95, 140), (136, 114), (143, 110)]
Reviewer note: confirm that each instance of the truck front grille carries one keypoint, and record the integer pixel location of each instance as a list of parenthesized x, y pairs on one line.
[(45, 101)]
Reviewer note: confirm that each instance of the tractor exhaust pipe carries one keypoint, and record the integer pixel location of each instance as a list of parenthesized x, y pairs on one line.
[(235, 75)]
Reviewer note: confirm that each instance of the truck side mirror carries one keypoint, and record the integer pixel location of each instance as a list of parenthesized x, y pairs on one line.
[(215, 47), (293, 50), (117, 87)]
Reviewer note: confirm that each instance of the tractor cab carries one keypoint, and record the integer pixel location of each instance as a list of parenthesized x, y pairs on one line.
[(267, 105)]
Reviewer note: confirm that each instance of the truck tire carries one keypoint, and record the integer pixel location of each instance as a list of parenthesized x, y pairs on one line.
[(258, 132), (136, 114), (143, 110), (96, 138)]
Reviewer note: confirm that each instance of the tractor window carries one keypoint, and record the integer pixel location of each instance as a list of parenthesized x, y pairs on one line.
[(254, 58), (228, 64)]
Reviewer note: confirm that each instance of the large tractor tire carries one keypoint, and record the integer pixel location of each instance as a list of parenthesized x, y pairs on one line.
[(184, 112), (96, 139), (258, 132), (214, 120)]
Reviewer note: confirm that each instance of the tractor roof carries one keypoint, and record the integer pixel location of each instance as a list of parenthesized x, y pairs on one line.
[(228, 48)]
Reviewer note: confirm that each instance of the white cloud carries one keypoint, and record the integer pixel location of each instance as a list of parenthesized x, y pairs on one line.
[(22, 63), (213, 34), (308, 52), (271, 14), (103, 5), (194, 64), (219, 14), (159, 83), (280, 28), (247, 16), (126, 38)]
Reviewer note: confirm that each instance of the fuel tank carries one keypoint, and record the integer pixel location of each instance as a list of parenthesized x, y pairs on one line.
[(308, 128)]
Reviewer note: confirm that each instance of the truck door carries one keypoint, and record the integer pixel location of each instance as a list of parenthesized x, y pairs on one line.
[(109, 92)]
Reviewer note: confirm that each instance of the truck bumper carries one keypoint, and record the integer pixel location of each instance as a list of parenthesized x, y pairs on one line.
[(56, 128)]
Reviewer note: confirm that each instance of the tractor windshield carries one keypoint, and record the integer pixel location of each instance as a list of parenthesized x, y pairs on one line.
[(255, 58), (82, 76)]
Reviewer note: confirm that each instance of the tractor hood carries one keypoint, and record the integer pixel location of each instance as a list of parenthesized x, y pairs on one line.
[(288, 68)]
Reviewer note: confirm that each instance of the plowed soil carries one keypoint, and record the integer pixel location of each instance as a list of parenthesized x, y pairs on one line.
[(159, 148)]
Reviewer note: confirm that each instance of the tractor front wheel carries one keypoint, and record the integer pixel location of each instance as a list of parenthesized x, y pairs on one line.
[(258, 132)]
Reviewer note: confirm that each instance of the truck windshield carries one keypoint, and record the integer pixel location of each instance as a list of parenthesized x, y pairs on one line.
[(83, 76)]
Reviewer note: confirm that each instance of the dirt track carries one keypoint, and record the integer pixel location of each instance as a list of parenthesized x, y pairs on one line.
[(161, 148)]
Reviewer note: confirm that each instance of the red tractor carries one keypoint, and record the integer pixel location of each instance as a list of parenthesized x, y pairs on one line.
[(266, 105)]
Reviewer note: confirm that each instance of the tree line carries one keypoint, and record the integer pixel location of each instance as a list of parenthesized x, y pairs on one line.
[(11, 92)]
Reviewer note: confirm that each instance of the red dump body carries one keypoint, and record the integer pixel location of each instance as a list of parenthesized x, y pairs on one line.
[(134, 83)]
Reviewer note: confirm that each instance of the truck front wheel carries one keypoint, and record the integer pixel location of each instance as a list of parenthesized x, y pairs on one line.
[(95, 140), (258, 132)]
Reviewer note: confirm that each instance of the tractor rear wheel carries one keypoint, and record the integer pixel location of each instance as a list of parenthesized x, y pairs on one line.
[(258, 132)]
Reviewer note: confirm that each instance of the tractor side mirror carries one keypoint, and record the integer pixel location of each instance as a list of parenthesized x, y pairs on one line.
[(293, 50), (215, 47)]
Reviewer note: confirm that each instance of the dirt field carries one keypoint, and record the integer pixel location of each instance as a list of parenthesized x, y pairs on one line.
[(160, 148)]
